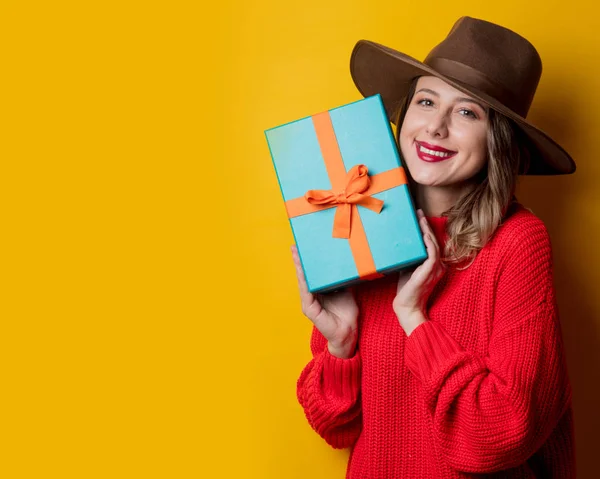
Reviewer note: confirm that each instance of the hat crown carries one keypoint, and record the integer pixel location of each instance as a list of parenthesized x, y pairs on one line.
[(492, 59)]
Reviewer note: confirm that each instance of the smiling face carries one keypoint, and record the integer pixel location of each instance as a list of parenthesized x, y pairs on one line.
[(443, 138)]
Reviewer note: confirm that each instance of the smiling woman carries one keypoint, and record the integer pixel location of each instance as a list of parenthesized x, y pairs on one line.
[(462, 156), (458, 367)]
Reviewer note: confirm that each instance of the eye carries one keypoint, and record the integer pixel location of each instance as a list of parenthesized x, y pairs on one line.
[(425, 102), (468, 113)]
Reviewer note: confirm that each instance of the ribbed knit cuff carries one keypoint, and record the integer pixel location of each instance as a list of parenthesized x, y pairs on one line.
[(341, 377), (428, 348)]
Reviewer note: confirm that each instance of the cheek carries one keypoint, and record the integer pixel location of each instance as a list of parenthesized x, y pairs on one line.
[(479, 148), (406, 145), (476, 159), (408, 131), (472, 140)]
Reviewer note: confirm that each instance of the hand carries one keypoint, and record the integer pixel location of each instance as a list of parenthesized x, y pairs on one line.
[(415, 288), (335, 315)]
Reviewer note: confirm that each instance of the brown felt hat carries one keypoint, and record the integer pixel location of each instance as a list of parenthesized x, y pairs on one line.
[(487, 61)]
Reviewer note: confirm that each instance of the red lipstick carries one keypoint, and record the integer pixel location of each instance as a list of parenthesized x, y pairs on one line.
[(430, 157)]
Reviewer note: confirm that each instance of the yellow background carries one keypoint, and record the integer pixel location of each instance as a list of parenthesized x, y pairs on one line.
[(150, 319)]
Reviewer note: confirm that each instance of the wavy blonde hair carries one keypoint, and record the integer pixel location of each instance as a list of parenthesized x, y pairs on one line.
[(475, 217)]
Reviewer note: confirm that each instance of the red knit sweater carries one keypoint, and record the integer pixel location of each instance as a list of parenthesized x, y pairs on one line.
[(480, 388)]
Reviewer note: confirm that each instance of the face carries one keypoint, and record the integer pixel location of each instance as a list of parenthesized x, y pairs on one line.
[(444, 135)]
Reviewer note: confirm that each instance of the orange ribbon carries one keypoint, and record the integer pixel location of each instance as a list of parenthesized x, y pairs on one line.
[(356, 183), (348, 190)]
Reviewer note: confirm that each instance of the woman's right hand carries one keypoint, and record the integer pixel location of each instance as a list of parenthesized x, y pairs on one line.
[(335, 315)]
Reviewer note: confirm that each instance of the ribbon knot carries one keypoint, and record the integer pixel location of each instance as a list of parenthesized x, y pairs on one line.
[(357, 182), (342, 197)]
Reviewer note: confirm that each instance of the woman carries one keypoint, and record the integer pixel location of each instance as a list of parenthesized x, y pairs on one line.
[(458, 367)]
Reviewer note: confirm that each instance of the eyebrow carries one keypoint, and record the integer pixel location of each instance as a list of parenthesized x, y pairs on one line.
[(465, 99)]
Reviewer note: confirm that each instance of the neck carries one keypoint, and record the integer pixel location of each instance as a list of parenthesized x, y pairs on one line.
[(436, 200)]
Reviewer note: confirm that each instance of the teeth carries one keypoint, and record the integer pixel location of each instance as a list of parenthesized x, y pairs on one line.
[(434, 153)]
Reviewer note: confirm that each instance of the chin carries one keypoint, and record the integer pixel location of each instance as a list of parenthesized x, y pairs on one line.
[(428, 182), (422, 177)]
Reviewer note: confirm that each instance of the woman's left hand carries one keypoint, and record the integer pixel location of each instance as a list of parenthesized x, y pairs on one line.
[(414, 289)]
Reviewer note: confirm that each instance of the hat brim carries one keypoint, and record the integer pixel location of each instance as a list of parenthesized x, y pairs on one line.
[(379, 69)]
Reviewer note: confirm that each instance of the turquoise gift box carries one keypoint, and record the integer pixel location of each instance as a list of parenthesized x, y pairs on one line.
[(346, 195)]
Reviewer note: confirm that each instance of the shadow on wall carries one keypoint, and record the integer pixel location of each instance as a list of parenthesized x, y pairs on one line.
[(550, 199)]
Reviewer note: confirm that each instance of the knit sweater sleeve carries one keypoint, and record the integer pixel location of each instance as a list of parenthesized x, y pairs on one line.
[(328, 389), (492, 412)]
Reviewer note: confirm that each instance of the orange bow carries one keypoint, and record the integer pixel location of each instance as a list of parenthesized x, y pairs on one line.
[(357, 182)]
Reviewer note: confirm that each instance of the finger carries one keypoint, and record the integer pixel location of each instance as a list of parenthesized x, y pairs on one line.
[(438, 251), (311, 303), (426, 228), (432, 248), (299, 272), (425, 269)]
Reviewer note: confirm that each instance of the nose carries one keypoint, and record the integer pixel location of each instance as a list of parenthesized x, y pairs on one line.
[(438, 125)]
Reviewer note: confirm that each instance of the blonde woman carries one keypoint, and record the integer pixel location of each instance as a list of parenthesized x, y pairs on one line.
[(455, 369)]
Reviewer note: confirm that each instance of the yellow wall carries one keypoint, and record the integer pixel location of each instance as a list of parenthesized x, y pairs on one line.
[(150, 319)]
